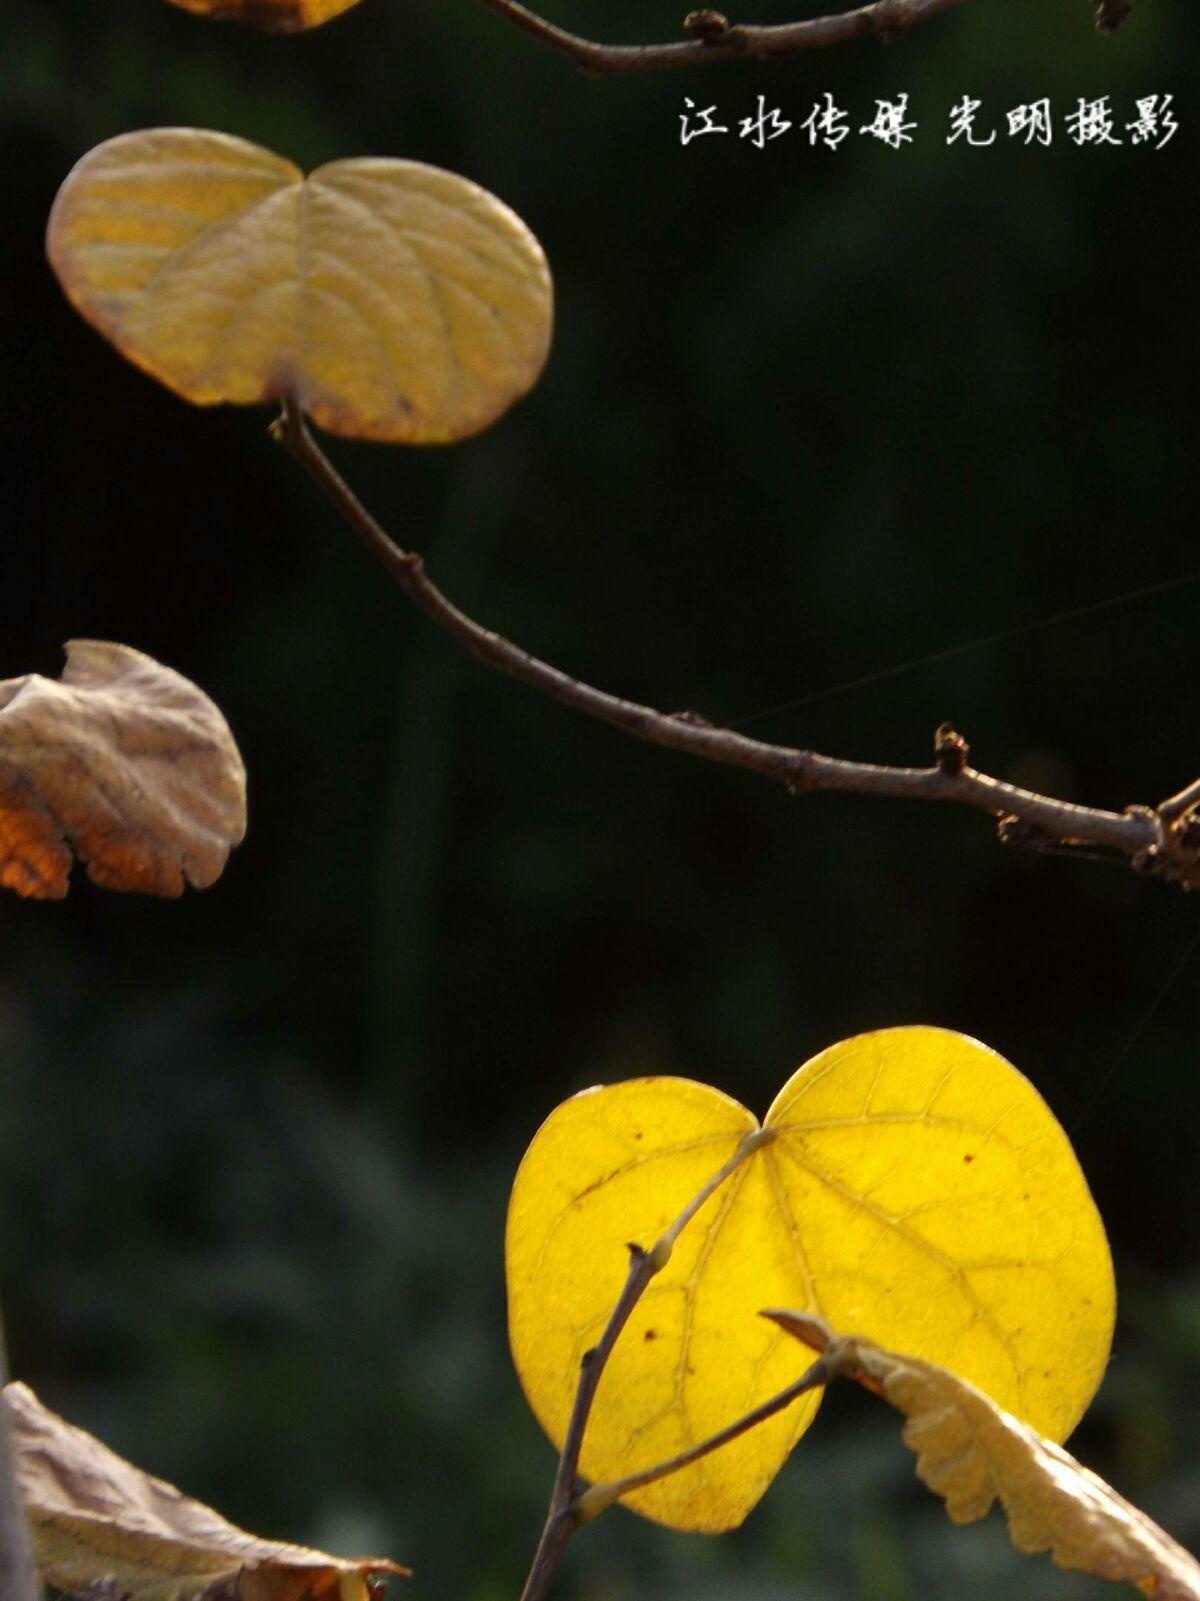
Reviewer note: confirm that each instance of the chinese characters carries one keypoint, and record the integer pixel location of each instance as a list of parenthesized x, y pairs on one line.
[(1097, 122)]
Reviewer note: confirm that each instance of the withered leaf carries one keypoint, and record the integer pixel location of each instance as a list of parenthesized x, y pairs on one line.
[(101, 1527), (123, 762), (972, 1453)]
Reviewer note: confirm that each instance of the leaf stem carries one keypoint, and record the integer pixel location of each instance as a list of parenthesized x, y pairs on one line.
[(1156, 841), (563, 1518)]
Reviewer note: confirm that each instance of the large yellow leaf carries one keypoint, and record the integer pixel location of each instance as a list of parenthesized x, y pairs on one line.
[(277, 16), (973, 1453), (99, 1522), (391, 300), (123, 762), (917, 1188)]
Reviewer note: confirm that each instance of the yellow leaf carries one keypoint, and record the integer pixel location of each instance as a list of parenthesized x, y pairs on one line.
[(917, 1187), (391, 300), (972, 1453), (277, 16), (96, 1520), (124, 762)]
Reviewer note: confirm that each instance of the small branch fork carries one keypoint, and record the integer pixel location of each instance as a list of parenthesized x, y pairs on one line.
[(714, 38), (567, 1513), (1163, 841)]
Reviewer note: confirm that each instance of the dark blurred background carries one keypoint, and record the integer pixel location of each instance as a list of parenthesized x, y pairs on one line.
[(809, 418)]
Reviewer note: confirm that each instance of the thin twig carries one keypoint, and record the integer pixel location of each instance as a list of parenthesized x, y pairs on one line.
[(1187, 800), (1158, 841), (601, 1496), (714, 38), (563, 1518), (17, 1581)]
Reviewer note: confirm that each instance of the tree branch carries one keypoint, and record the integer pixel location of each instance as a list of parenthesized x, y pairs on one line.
[(714, 38), (564, 1516), (1163, 841)]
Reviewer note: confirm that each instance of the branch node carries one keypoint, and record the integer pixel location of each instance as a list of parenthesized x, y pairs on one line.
[(893, 21), (692, 719), (1110, 14), (711, 26), (950, 749), (1022, 835), (1151, 861), (660, 1254)]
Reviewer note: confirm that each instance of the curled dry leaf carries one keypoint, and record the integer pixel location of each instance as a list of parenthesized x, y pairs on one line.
[(972, 1453), (122, 761), (388, 299), (99, 1524), (277, 16), (915, 1186)]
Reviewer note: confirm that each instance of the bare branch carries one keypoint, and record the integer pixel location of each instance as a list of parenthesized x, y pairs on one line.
[(1161, 842), (715, 38)]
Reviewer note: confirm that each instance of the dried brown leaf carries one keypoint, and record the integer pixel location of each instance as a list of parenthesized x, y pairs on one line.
[(123, 762), (102, 1527), (972, 1453)]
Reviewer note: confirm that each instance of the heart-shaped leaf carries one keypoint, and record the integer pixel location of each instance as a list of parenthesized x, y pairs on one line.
[(276, 16), (916, 1188), (123, 762), (390, 300)]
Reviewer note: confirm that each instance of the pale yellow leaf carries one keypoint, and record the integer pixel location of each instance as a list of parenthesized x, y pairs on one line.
[(96, 1520), (389, 299), (973, 1453), (916, 1187), (277, 16), (123, 762)]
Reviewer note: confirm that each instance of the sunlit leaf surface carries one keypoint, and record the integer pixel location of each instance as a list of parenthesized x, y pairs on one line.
[(391, 300), (918, 1189)]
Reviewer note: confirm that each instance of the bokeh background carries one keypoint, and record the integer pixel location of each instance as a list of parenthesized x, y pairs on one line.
[(830, 446)]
